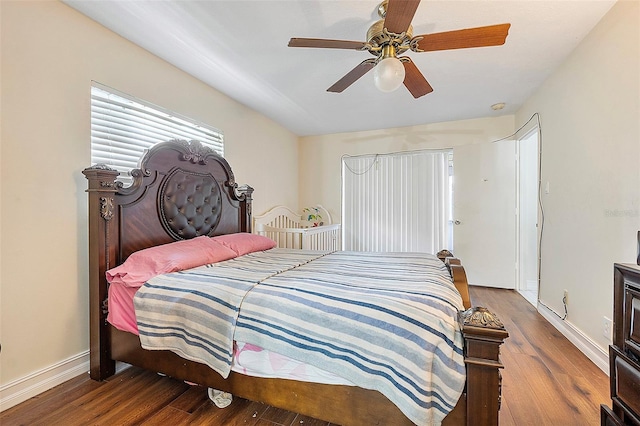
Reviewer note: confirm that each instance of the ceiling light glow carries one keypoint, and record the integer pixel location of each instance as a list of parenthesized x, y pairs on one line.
[(388, 74)]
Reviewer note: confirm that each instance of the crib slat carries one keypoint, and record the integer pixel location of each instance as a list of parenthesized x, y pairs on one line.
[(284, 227)]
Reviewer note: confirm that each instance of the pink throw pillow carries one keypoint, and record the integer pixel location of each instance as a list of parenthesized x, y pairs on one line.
[(145, 264), (243, 242)]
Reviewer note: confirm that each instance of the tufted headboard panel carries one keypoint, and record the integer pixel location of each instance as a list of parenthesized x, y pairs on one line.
[(181, 190), (190, 204)]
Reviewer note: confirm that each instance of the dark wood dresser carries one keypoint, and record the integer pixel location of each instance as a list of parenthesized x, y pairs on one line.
[(624, 353)]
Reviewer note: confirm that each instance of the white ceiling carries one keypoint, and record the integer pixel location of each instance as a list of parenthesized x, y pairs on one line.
[(240, 48)]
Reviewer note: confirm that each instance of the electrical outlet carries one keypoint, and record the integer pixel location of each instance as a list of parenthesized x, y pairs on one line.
[(607, 328)]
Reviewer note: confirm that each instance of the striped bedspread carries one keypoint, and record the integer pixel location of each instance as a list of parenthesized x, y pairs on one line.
[(384, 321), (194, 313)]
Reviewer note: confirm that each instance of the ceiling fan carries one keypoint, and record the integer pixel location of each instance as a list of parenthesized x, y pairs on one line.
[(392, 36)]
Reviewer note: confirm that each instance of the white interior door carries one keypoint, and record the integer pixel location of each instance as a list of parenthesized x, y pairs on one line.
[(484, 193)]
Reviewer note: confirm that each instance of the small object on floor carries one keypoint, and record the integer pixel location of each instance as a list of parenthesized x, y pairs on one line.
[(220, 398)]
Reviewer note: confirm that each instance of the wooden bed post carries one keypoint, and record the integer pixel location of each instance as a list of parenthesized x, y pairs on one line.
[(244, 193), (102, 256), (459, 277), (483, 334)]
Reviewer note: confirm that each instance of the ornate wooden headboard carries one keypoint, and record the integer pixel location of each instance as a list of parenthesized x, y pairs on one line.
[(181, 190)]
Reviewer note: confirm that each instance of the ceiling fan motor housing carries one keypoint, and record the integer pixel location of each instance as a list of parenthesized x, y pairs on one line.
[(378, 37)]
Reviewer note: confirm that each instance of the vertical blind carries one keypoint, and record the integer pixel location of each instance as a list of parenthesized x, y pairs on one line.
[(396, 202), (123, 127)]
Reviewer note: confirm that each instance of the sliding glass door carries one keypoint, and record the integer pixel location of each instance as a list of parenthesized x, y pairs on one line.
[(397, 202)]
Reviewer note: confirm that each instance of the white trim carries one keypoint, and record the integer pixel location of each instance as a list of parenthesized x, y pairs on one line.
[(593, 351), (20, 390), (531, 285)]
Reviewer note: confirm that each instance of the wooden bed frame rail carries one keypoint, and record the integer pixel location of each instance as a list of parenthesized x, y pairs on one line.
[(120, 222)]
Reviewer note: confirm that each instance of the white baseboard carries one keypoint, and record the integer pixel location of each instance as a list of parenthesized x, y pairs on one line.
[(595, 353), (17, 391)]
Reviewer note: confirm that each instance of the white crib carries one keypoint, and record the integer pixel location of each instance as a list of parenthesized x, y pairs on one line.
[(286, 228)]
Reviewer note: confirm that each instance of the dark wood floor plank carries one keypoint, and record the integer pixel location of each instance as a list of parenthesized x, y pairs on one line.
[(546, 381), (240, 412), (146, 403), (169, 416), (309, 421), (506, 419), (40, 406), (262, 422), (191, 400), (278, 416), (557, 409), (518, 394)]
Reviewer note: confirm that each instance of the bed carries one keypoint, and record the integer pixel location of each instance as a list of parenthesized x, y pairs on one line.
[(184, 191), (285, 227)]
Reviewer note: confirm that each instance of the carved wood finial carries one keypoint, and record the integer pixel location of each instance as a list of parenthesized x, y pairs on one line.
[(101, 166), (102, 178), (196, 152), (106, 208), (442, 254), (242, 192), (480, 317)]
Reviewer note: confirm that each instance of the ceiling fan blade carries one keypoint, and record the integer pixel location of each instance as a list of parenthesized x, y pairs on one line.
[(492, 35), (414, 81), (352, 76), (399, 15), (326, 43)]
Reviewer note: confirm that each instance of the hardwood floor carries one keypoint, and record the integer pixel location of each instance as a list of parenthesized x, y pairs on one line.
[(546, 381)]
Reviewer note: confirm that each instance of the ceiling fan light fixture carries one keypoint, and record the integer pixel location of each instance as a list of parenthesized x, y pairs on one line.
[(392, 36), (388, 74)]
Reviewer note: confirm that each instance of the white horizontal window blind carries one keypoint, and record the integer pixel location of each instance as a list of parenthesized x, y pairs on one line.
[(123, 127), (396, 202)]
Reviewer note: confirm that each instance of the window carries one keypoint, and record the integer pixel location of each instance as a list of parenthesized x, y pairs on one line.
[(397, 202), (123, 127)]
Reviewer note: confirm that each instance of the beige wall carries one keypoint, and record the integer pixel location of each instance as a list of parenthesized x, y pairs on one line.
[(50, 55), (590, 112), (320, 156), (494, 265)]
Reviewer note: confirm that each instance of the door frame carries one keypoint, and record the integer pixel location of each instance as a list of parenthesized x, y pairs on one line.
[(520, 279)]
